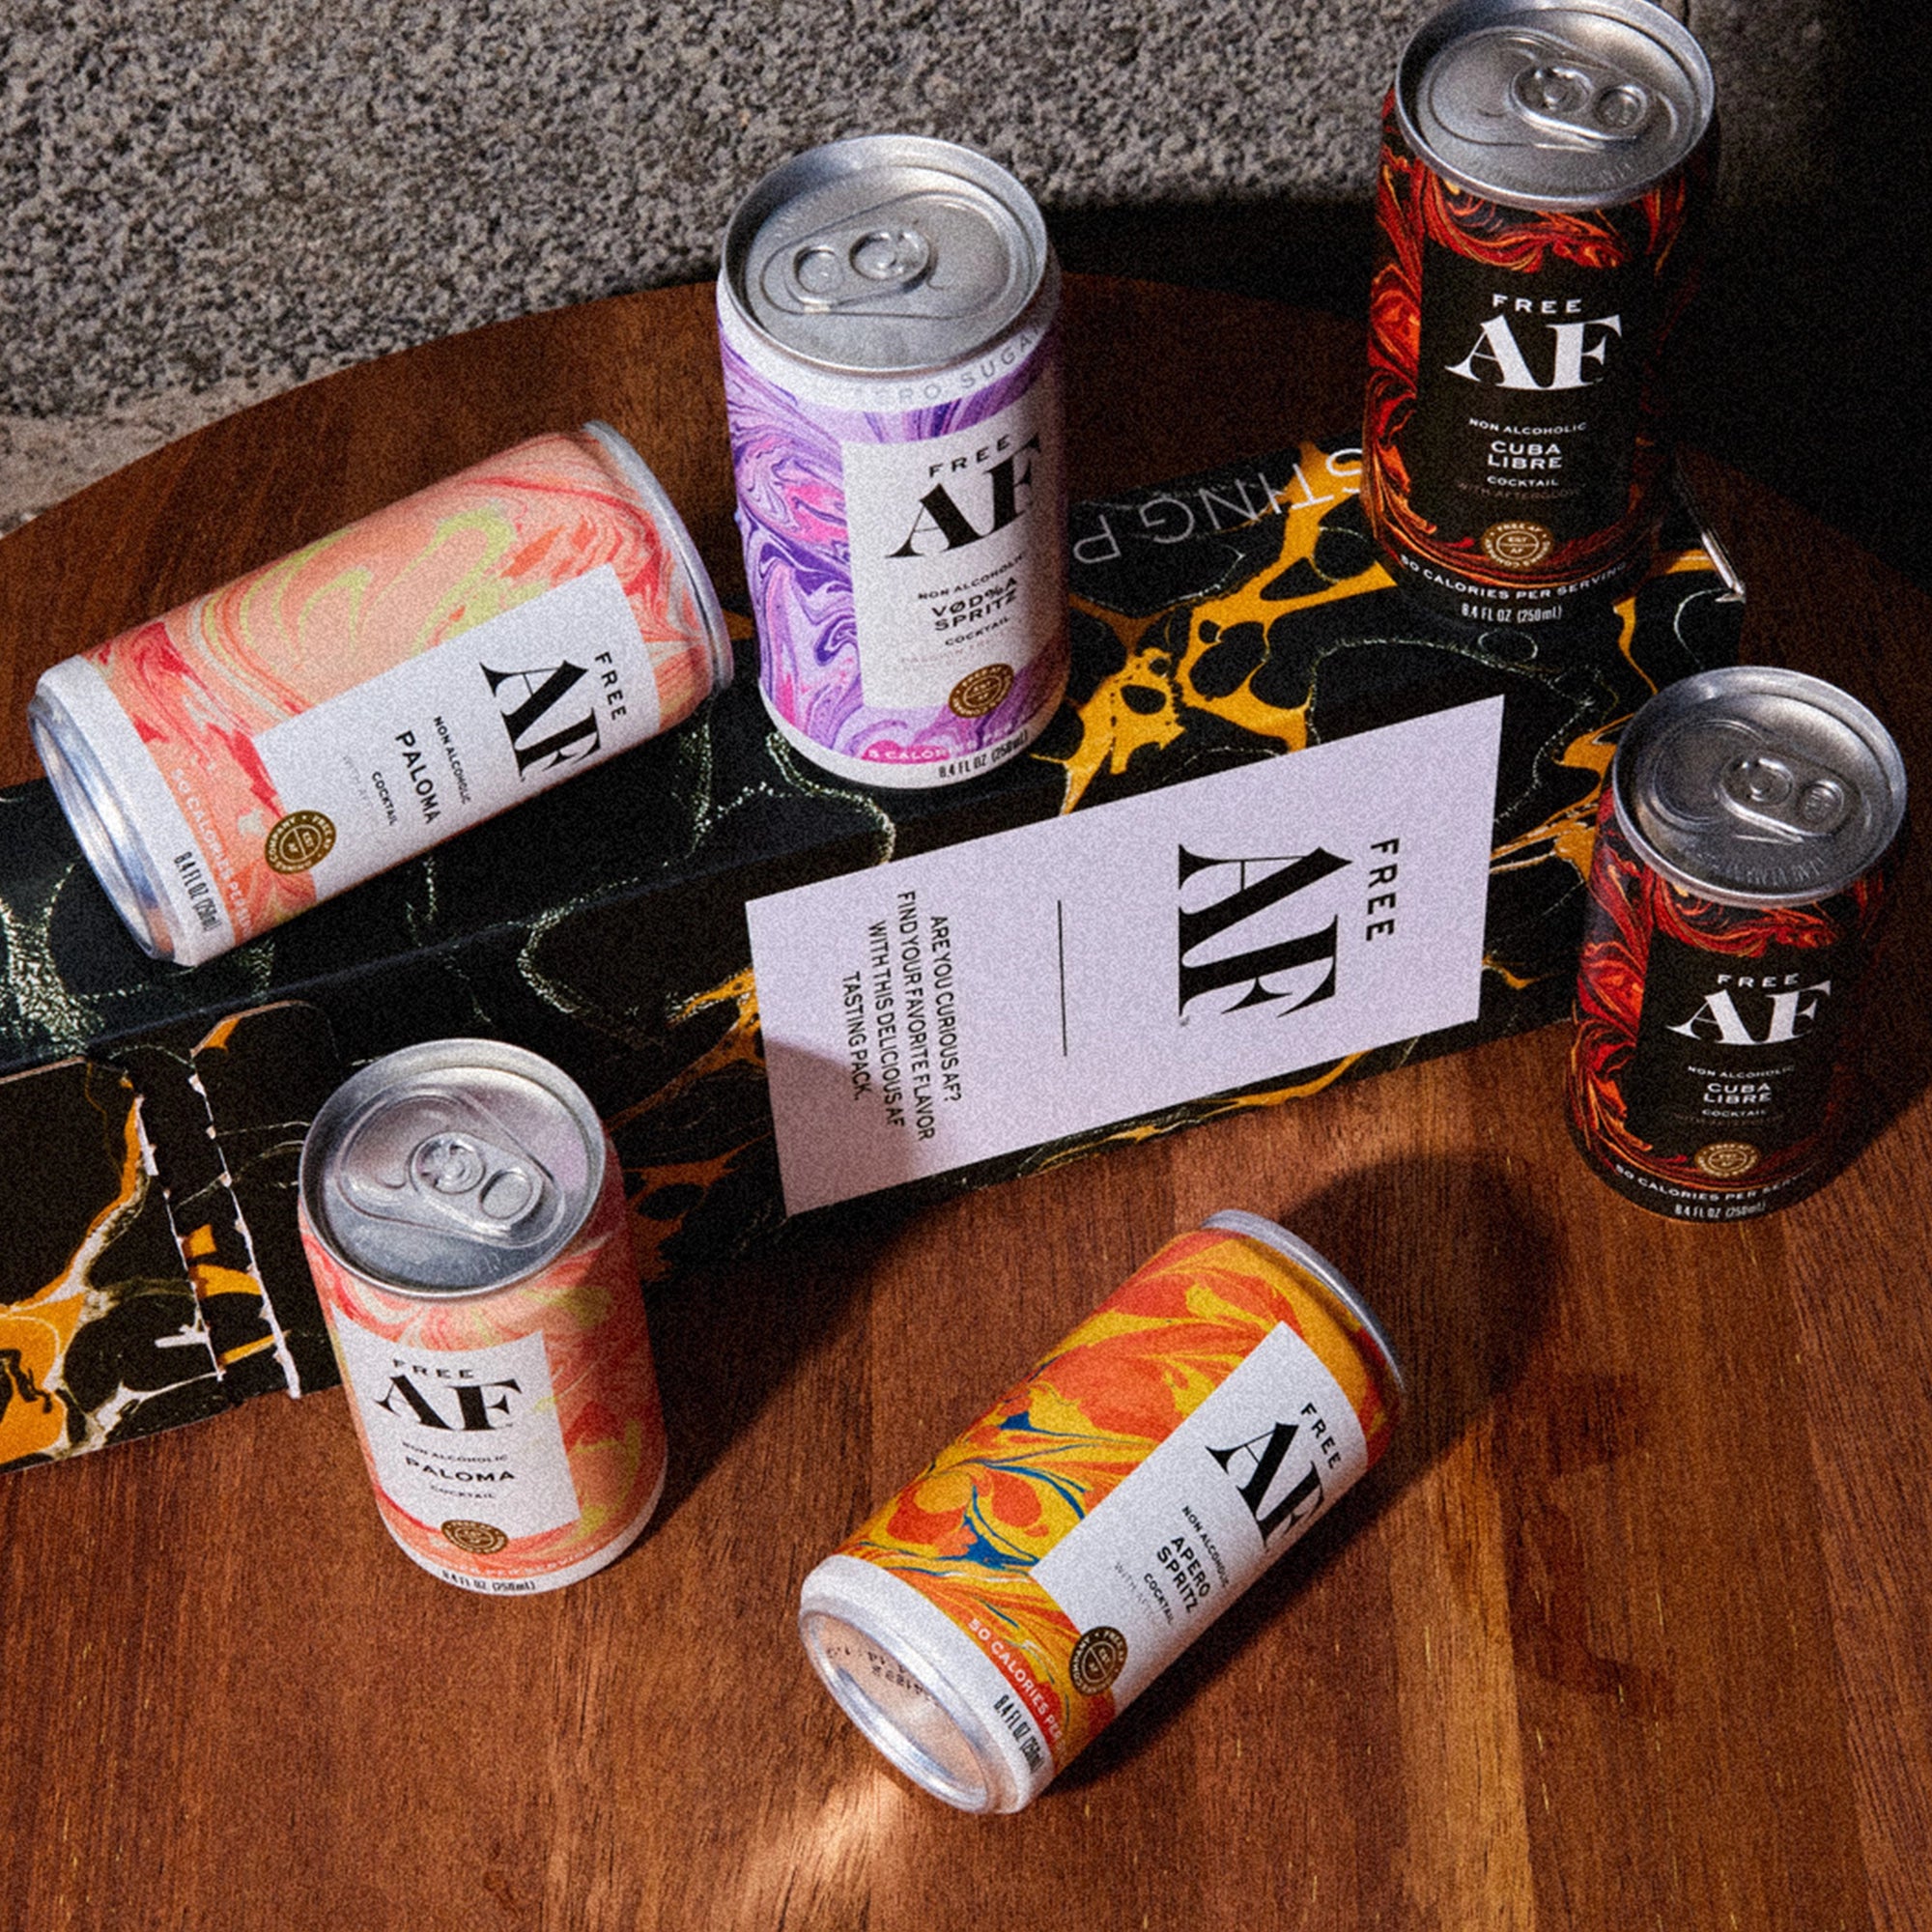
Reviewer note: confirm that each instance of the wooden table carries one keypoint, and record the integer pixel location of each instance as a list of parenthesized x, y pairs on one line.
[(1629, 1630)]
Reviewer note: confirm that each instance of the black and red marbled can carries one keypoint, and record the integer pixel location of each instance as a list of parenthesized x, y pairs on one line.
[(1747, 849), (1544, 172)]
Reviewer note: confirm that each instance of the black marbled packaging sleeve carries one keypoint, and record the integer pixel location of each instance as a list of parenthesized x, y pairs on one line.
[(1217, 620)]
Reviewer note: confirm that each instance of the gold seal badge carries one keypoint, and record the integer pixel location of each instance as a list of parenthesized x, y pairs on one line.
[(300, 841), (474, 1538), (1517, 545), (1098, 1657), (1726, 1161), (980, 690)]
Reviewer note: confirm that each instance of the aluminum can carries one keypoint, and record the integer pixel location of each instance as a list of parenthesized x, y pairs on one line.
[(346, 707), (989, 1621), (886, 312), (1745, 851), (1544, 172), (463, 1211)]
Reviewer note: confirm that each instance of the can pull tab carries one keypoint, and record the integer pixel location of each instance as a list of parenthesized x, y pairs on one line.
[(484, 1189), (1581, 104), (440, 1163), (1786, 797), (1512, 86), (831, 270), (929, 257)]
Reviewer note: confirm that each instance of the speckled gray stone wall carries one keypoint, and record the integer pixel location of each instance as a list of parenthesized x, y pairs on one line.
[(209, 198)]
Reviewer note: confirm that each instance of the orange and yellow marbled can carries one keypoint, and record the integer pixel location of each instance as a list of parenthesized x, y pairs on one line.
[(465, 1221), (985, 1623), (328, 714)]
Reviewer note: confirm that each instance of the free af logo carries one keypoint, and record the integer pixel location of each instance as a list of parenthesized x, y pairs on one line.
[(1255, 933), (552, 722), (1280, 1486), (477, 1406), (1781, 1008), (973, 497), (1575, 356)]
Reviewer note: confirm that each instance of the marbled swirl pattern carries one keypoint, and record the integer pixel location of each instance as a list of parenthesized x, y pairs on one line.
[(788, 459), (591, 1314), (200, 682), (967, 1533)]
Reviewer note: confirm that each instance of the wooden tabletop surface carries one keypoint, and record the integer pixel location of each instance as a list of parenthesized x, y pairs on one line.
[(1632, 1627)]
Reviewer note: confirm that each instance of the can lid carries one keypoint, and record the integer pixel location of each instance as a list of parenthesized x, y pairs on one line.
[(102, 827), (1758, 786), (638, 473), (887, 254), (1554, 104), (452, 1168), (915, 1684)]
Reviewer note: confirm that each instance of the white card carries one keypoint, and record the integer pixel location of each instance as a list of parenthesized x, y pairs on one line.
[(1059, 978)]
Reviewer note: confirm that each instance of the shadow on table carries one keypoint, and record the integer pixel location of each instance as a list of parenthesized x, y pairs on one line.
[(1896, 1056), (1464, 1305), (727, 1338)]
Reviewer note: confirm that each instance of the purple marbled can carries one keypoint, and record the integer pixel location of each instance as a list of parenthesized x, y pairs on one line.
[(887, 316)]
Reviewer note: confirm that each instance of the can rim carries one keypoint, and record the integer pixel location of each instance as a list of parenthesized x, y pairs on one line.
[(106, 836), (1272, 1235), (928, 774), (846, 1589), (640, 475), (759, 200), (1708, 685), (1440, 28), (354, 1096)]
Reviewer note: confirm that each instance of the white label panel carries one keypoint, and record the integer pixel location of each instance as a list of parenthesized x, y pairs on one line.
[(1239, 1482), (956, 550), (479, 723), (973, 1001), (472, 1436)]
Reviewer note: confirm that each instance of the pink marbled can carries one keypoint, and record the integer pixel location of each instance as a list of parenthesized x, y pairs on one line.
[(332, 713), (465, 1221)]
